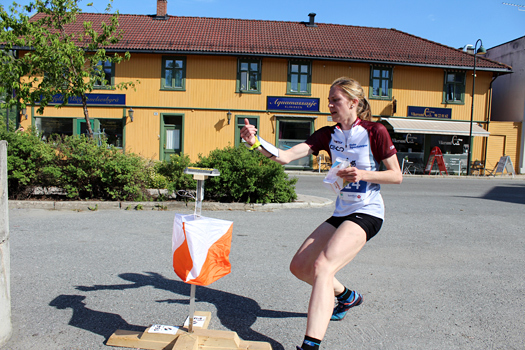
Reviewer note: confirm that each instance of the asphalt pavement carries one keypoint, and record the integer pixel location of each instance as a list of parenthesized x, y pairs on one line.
[(445, 272)]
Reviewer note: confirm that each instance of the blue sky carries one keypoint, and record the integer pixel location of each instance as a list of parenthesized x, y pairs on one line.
[(453, 23)]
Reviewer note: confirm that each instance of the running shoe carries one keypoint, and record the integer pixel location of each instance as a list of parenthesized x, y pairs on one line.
[(342, 307)]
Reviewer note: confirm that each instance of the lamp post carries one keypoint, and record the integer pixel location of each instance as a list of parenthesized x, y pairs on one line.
[(480, 51)]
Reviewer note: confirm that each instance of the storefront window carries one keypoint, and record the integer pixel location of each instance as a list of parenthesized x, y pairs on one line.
[(454, 149), (112, 130), (411, 148), (49, 127), (291, 133)]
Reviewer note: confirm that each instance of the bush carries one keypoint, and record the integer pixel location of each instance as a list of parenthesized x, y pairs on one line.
[(30, 163), (93, 169), (173, 172), (246, 177)]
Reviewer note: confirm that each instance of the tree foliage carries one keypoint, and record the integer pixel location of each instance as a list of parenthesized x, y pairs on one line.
[(55, 59)]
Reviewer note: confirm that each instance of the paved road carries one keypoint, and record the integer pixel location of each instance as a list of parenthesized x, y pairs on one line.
[(446, 272)]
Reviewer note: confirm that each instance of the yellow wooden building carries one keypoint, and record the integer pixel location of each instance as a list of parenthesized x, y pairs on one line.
[(201, 77)]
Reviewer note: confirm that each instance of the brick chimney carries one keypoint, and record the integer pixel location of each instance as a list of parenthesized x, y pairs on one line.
[(162, 8)]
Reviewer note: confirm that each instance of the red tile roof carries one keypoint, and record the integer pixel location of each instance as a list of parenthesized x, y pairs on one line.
[(203, 35)]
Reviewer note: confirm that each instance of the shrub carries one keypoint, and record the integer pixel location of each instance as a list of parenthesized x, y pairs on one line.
[(246, 177), (173, 172), (93, 169), (30, 163)]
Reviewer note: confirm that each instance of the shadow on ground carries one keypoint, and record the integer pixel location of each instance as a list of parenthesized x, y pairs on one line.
[(235, 312), (509, 194)]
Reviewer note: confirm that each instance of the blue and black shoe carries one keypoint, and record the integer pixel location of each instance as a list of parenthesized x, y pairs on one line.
[(343, 306)]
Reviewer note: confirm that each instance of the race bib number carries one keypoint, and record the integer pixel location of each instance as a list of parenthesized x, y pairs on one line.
[(355, 191)]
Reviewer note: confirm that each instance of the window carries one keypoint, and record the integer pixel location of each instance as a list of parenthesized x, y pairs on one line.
[(291, 132), (381, 83), (112, 129), (55, 81), (299, 78), (249, 76), (240, 124), (454, 91), (173, 73), (52, 127), (106, 79)]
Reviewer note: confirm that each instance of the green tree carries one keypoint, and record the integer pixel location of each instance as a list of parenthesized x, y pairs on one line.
[(56, 58)]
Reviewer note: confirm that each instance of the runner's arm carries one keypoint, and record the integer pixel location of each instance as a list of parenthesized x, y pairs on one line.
[(301, 150)]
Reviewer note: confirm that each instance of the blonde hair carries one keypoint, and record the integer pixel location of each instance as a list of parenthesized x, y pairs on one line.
[(354, 90)]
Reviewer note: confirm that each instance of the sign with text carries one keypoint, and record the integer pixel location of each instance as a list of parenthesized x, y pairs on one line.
[(429, 112), (505, 164), (93, 99), (292, 104), (436, 157)]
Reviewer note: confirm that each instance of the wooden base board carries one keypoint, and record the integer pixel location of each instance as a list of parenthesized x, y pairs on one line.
[(201, 339)]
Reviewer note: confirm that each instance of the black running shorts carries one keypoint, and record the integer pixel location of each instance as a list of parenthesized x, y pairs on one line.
[(370, 224)]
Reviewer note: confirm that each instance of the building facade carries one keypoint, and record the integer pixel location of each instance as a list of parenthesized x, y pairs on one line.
[(201, 77), (508, 107)]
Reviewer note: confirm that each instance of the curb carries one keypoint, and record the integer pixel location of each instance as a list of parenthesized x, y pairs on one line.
[(303, 201)]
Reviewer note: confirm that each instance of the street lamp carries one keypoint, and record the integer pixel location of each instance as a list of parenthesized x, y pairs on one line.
[(480, 51)]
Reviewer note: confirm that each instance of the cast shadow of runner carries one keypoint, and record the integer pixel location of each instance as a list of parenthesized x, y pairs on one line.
[(235, 312), (102, 323)]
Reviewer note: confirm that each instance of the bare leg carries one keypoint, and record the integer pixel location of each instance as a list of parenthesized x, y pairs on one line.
[(325, 252), (303, 262)]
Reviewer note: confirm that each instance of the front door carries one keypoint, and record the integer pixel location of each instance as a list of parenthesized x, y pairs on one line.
[(82, 126), (171, 137)]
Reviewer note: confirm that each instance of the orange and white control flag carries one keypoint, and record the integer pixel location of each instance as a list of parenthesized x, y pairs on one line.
[(201, 248)]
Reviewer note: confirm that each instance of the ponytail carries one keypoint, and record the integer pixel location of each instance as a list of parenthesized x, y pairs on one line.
[(364, 112)]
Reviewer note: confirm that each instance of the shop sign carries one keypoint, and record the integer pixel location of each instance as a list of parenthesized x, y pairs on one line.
[(292, 104), (408, 139), (454, 142), (429, 112), (93, 99)]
